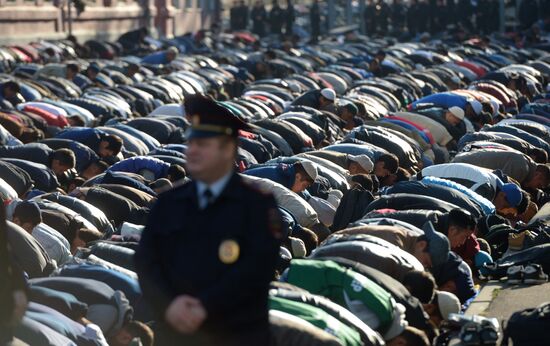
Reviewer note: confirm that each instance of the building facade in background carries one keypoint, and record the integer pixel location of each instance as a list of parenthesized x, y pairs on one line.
[(30, 20)]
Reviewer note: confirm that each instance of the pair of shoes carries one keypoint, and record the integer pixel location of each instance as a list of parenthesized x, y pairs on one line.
[(532, 274), (515, 275), (496, 271)]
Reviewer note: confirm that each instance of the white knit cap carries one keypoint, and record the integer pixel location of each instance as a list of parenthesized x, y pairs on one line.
[(457, 112), (364, 161), (298, 248), (334, 197), (310, 169), (448, 303), (329, 94), (477, 106)]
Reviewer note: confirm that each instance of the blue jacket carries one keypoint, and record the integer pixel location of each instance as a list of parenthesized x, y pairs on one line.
[(35, 152), (122, 178), (283, 174), (158, 58), (84, 155), (88, 136), (138, 163), (82, 81), (445, 100), (43, 178), (115, 280), (148, 140)]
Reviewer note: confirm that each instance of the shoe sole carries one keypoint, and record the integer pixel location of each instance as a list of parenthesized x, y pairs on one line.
[(514, 282)]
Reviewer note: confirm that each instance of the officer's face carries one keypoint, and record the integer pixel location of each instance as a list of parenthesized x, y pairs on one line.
[(209, 159)]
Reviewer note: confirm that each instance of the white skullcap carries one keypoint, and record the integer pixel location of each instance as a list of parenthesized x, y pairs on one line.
[(457, 112), (329, 94), (476, 105), (310, 169), (298, 247), (448, 303), (364, 161)]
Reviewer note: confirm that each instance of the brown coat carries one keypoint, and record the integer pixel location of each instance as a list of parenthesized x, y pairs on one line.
[(395, 235)]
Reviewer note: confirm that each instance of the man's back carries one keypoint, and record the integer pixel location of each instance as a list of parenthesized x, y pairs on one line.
[(511, 162)]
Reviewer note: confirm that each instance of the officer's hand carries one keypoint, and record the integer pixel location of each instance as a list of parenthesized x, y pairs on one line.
[(184, 314), (199, 312)]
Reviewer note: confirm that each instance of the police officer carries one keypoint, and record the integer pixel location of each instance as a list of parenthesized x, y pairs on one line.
[(210, 248)]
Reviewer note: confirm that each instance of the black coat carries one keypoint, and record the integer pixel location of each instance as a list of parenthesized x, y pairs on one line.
[(259, 18), (276, 20), (179, 253)]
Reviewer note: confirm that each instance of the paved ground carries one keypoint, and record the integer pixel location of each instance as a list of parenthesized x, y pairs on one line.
[(500, 300)]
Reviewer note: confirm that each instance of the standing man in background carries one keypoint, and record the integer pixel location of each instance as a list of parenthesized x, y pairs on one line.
[(276, 19), (290, 17), (259, 17), (315, 21)]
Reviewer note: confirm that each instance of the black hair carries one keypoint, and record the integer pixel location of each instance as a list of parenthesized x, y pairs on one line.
[(270, 54), (100, 164), (77, 120), (421, 284), (12, 85), (309, 238), (487, 107), (73, 67), (114, 143), (540, 156), (415, 337), (77, 182), (391, 162), (402, 175), (485, 118), (545, 170), (31, 135), (28, 212), (524, 204), (364, 180), (462, 219), (176, 172), (65, 157)]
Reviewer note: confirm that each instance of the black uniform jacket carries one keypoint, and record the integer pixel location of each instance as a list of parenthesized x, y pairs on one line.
[(224, 255)]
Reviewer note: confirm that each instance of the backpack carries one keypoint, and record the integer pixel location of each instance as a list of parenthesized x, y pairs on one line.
[(529, 327)]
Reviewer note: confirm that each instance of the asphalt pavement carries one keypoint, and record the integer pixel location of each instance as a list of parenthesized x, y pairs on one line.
[(500, 300)]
